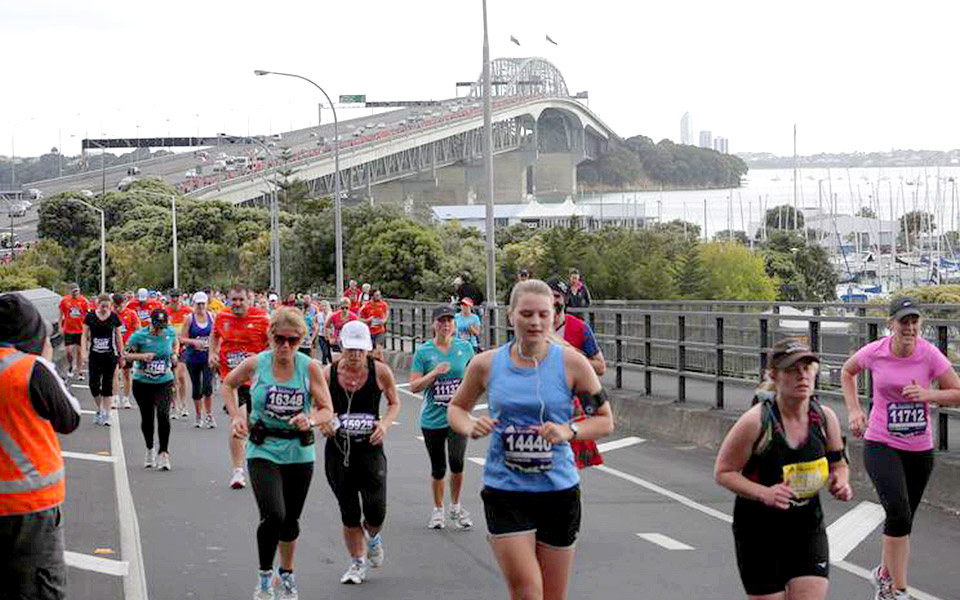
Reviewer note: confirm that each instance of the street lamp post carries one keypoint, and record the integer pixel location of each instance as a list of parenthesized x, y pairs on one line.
[(173, 212), (338, 232), (488, 168), (103, 242)]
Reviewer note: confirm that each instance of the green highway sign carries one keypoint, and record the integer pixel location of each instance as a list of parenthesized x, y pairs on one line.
[(353, 99)]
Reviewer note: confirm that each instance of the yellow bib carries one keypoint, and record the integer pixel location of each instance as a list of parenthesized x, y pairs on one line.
[(806, 478)]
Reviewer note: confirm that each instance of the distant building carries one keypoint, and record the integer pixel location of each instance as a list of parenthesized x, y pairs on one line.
[(706, 139), (721, 145), (686, 129), (537, 215)]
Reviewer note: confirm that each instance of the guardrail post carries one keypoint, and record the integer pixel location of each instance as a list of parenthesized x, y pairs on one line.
[(423, 325), (401, 329), (720, 362), (393, 330), (943, 419), (619, 355), (681, 358), (413, 331), (764, 344), (813, 327), (647, 358), (873, 332), (493, 328)]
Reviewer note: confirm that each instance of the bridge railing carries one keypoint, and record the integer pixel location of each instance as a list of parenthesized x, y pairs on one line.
[(715, 352)]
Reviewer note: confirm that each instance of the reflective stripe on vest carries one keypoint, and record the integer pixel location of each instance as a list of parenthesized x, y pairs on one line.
[(32, 479)]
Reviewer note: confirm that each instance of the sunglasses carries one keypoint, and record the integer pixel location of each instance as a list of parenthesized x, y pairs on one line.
[(292, 341)]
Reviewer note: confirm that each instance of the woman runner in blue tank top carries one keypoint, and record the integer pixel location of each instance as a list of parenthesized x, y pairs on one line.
[(195, 337), (531, 493)]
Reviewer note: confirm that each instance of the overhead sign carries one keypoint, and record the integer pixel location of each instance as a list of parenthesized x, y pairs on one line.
[(466, 83), (402, 103), (353, 99)]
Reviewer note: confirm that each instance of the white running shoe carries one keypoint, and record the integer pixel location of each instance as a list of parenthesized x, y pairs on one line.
[(239, 480), (80, 376), (98, 418), (356, 573), (460, 517), (882, 582), (105, 419), (287, 587), (184, 413), (126, 402), (198, 422), (163, 461), (375, 552), (210, 423), (174, 414), (149, 459), (436, 519), (70, 374), (264, 589)]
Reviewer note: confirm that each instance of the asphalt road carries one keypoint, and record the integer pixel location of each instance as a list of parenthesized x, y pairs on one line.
[(197, 535)]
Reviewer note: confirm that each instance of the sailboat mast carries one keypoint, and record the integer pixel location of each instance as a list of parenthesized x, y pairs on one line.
[(796, 224)]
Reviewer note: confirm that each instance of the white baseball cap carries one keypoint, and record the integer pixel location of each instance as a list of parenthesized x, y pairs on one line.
[(142, 294), (355, 335), (200, 297), (273, 298)]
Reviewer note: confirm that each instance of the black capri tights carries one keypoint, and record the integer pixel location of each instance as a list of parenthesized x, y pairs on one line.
[(899, 477), (154, 398), (363, 481), (201, 380), (438, 442), (281, 491), (101, 368)]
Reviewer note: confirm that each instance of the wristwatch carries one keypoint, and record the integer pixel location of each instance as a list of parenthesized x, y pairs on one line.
[(575, 429), (312, 423)]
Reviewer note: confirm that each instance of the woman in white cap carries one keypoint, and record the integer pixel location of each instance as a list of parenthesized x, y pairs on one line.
[(195, 337), (354, 461)]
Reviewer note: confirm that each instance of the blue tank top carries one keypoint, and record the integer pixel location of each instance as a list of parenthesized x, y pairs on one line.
[(196, 332), (519, 460), (275, 403)]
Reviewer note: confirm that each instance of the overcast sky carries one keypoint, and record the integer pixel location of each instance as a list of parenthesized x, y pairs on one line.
[(854, 76)]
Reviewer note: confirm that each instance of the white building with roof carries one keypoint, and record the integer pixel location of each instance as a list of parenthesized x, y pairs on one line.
[(540, 214)]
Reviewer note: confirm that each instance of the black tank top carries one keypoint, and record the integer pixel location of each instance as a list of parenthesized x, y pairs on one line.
[(358, 412), (773, 461)]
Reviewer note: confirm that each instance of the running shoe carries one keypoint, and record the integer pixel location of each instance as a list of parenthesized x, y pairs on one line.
[(239, 480), (174, 414), (288, 587), (126, 402), (356, 573), (105, 419), (70, 374), (163, 461), (98, 418), (460, 517), (184, 413), (264, 589), (210, 423), (882, 582), (375, 551), (80, 376), (901, 595), (198, 422), (150, 459), (436, 519)]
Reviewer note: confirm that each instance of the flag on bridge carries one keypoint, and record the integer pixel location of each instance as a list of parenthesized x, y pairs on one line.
[(514, 40), (551, 41)]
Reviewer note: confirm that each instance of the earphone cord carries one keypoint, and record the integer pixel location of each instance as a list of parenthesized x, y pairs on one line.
[(536, 370), (346, 453)]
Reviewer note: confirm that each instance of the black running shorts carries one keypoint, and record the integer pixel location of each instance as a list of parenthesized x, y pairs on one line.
[(554, 517), (767, 561)]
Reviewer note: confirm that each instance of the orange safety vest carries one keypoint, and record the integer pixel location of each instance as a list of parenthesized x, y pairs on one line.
[(31, 465)]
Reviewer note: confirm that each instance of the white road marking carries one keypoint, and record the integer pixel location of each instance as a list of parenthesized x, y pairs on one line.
[(662, 540), (80, 386), (853, 527), (621, 443), (403, 385), (479, 406), (396, 422), (135, 580), (419, 437), (87, 562), (479, 461), (417, 396), (84, 411), (85, 456), (865, 574)]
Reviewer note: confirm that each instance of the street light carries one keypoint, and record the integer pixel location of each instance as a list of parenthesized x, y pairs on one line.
[(338, 232), (103, 242), (173, 211), (488, 167), (13, 153)]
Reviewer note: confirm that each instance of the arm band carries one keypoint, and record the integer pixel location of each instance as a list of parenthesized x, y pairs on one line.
[(835, 456), (593, 402)]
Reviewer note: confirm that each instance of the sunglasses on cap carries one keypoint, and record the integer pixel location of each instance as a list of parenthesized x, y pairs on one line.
[(291, 340)]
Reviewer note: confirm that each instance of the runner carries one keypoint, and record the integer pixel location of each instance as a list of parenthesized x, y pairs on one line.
[(178, 312), (273, 302), (144, 306), (155, 351), (531, 491), (468, 323), (898, 451), (352, 293), (323, 315), (288, 398), (195, 337), (438, 368), (238, 332), (73, 309), (354, 461), (335, 323), (215, 304), (130, 322), (306, 344), (101, 349), (776, 458), (365, 295), (375, 314), (576, 332)]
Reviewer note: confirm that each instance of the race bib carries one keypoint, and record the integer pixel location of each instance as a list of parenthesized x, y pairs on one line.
[(144, 315), (806, 478), (283, 402), (123, 329), (444, 388), (357, 424), (376, 322), (74, 312), (156, 367), (101, 345), (907, 419), (235, 358), (204, 342), (525, 451)]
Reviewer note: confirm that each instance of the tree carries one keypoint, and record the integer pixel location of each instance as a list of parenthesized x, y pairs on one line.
[(802, 269), (784, 218), (913, 224), (866, 212), (733, 272), (688, 274), (727, 235), (67, 223)]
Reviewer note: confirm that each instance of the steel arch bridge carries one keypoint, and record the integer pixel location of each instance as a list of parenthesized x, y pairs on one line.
[(529, 76)]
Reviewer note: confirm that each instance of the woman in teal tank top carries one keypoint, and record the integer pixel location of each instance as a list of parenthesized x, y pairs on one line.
[(531, 494), (289, 396)]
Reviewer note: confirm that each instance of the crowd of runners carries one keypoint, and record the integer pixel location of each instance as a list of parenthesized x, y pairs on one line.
[(294, 368)]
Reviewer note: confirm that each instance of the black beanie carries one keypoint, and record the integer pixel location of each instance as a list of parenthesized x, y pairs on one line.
[(21, 325)]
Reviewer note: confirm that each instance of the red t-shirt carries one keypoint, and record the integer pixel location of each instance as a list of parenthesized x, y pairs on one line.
[(240, 337), (129, 322), (177, 315), (143, 310), (354, 295), (72, 312), (377, 312), (339, 321)]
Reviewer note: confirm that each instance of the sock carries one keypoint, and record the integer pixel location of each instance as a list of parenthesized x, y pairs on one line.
[(359, 560), (285, 571), (438, 508), (455, 507)]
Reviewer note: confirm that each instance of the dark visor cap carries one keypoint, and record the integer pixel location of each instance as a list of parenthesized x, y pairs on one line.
[(903, 306), (787, 352), (443, 311)]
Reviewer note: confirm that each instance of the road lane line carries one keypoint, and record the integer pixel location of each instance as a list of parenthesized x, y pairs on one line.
[(403, 385), (853, 527), (87, 562), (84, 411), (479, 461), (135, 581), (865, 573), (665, 492), (419, 437), (664, 541), (479, 406), (80, 386), (85, 456), (621, 443)]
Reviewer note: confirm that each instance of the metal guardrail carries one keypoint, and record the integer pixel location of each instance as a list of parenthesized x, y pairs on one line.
[(720, 342)]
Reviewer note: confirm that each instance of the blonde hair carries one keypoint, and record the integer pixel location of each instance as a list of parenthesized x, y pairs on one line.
[(530, 286), (287, 317)]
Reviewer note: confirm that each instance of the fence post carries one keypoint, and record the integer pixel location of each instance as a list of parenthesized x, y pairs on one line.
[(720, 363), (681, 358), (413, 331), (493, 328), (764, 344), (619, 356), (873, 331), (647, 359), (943, 420), (393, 330), (401, 330), (813, 328)]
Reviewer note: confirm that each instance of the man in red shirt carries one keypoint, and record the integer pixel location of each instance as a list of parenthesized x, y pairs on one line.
[(129, 322), (73, 309), (238, 332), (375, 314), (353, 292), (176, 313), (143, 306)]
